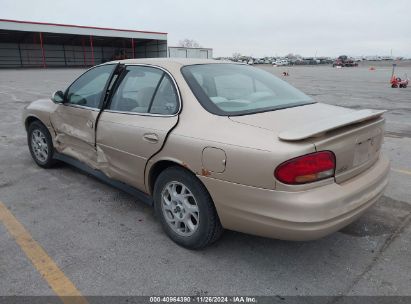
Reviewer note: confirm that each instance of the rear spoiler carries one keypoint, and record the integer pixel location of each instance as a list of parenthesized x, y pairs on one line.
[(320, 127)]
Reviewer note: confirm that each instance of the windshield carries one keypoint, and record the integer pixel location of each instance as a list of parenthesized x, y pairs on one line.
[(235, 89)]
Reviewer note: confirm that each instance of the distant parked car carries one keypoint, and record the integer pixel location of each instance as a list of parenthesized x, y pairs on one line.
[(281, 62), (344, 61), (215, 145)]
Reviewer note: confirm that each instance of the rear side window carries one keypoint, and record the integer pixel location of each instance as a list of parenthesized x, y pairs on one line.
[(145, 90), (136, 90), (165, 101)]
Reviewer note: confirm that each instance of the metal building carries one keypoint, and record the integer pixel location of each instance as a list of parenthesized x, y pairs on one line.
[(36, 44), (183, 52)]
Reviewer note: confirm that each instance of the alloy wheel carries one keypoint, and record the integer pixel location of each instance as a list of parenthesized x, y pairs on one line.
[(39, 145), (180, 208)]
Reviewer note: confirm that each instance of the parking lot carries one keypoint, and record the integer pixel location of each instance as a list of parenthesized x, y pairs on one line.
[(107, 243)]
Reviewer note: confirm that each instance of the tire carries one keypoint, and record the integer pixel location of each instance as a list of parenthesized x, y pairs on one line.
[(40, 145), (191, 220)]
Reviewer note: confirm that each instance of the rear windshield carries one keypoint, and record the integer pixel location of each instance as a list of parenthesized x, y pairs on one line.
[(235, 89)]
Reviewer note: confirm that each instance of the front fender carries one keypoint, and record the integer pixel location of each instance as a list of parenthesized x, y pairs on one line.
[(41, 110)]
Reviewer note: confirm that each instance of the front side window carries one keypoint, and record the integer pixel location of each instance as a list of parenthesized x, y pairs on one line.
[(88, 89), (145, 90), (234, 89)]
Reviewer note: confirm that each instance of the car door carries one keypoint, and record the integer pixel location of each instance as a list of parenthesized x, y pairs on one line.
[(133, 127), (74, 120)]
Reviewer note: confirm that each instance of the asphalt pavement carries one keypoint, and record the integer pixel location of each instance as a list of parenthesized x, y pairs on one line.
[(107, 243)]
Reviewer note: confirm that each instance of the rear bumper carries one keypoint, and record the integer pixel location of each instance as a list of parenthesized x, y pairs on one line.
[(302, 215)]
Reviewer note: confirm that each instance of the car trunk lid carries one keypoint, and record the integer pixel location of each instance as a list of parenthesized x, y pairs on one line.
[(320, 127), (357, 146), (355, 137)]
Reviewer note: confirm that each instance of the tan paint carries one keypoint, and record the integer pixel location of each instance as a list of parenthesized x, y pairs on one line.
[(343, 142), (121, 137), (214, 159), (346, 142), (75, 132), (198, 129), (41, 110), (300, 215), (319, 127), (246, 194)]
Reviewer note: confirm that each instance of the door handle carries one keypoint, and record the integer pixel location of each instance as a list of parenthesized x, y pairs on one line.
[(90, 124), (151, 137)]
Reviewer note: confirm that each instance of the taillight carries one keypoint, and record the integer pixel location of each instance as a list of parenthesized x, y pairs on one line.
[(307, 168)]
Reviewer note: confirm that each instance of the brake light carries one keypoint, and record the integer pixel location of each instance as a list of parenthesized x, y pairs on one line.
[(307, 168)]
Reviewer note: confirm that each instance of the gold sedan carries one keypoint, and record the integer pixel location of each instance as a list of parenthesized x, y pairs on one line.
[(215, 145)]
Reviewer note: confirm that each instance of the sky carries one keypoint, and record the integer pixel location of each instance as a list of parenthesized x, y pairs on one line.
[(254, 28)]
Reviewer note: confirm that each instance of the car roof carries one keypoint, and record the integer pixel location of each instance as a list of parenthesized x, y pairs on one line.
[(169, 63)]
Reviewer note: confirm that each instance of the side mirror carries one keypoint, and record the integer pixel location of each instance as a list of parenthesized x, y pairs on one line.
[(58, 97)]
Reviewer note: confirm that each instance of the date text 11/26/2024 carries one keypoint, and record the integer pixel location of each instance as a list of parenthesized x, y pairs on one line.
[(203, 299)]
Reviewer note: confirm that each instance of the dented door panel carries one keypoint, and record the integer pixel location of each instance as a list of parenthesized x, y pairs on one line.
[(74, 121), (127, 141), (74, 127)]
